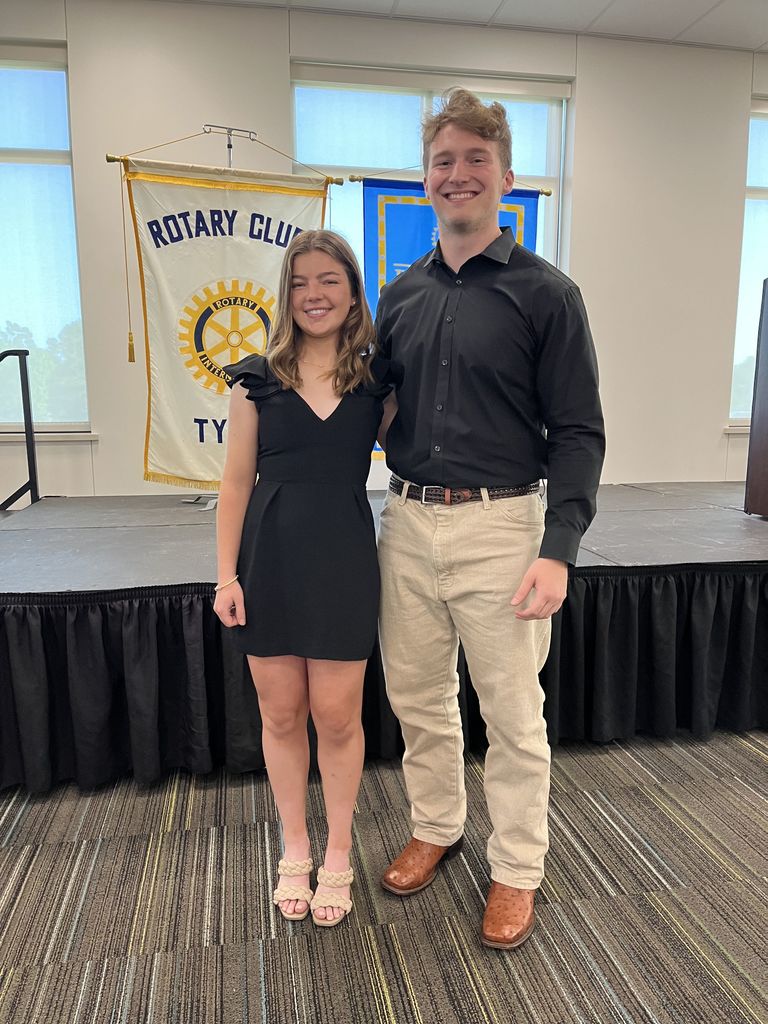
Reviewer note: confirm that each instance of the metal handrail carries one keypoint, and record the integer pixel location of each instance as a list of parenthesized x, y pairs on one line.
[(29, 431)]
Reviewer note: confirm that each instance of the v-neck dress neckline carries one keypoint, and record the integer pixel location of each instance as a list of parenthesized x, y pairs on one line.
[(321, 419)]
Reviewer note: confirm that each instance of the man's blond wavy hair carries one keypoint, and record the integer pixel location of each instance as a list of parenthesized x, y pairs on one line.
[(462, 108), (357, 339)]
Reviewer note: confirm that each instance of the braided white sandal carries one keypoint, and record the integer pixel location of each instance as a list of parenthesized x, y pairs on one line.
[(326, 900), (292, 869)]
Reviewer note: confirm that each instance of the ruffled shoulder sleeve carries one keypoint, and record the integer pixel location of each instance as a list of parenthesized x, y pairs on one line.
[(387, 375), (254, 374)]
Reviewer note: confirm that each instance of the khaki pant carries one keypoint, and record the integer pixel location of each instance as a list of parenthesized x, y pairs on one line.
[(448, 572)]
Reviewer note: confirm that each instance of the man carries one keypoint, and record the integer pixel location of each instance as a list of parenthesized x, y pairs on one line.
[(499, 391)]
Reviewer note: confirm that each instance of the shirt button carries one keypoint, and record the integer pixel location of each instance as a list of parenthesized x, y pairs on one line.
[(439, 407), (458, 280), (449, 319), (444, 362), (437, 447)]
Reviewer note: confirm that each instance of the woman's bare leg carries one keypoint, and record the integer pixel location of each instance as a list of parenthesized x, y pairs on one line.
[(336, 699), (281, 685)]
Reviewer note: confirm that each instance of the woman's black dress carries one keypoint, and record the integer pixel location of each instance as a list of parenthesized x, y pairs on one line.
[(307, 561)]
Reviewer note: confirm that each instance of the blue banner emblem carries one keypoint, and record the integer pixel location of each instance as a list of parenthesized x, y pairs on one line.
[(400, 226)]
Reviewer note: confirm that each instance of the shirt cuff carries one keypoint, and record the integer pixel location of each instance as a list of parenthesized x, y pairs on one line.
[(560, 542)]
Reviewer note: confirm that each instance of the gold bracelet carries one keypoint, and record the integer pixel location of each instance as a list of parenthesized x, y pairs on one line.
[(220, 586)]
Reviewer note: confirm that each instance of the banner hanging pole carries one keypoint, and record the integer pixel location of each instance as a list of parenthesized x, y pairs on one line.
[(241, 133)]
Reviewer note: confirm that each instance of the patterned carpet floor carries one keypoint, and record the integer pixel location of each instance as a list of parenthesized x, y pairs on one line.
[(133, 905)]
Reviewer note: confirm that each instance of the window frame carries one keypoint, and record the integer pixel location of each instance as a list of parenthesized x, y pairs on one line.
[(432, 85), (758, 109), (41, 58)]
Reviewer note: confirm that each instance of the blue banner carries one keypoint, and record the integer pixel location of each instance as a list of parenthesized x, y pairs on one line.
[(400, 226)]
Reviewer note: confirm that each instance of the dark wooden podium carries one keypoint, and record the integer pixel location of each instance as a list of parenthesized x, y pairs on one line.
[(756, 494)]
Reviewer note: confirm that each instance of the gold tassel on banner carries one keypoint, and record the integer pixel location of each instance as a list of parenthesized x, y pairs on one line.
[(131, 349)]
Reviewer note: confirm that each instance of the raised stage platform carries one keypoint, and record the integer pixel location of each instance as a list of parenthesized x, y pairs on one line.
[(112, 660)]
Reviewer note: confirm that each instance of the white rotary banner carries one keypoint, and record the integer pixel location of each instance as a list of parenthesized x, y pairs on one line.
[(210, 244)]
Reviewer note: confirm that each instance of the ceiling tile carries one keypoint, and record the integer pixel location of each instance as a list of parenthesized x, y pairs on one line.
[(558, 15), (740, 23), (653, 19), (240, 3), (478, 12), (346, 6)]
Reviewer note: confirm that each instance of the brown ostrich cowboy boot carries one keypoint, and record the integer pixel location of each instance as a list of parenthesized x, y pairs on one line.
[(416, 866), (509, 917)]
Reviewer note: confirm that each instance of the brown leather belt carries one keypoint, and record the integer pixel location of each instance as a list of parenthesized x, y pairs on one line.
[(434, 495)]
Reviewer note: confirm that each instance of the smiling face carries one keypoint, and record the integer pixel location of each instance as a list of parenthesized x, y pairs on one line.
[(465, 182), (321, 296)]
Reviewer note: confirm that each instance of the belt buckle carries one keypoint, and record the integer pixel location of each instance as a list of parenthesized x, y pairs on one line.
[(424, 494)]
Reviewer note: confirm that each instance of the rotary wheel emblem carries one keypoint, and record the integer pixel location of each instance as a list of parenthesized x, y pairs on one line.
[(220, 324)]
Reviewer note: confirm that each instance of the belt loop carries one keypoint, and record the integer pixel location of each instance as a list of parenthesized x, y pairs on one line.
[(404, 493), (486, 499)]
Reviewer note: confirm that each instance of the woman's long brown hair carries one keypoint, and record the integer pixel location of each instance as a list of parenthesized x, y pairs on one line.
[(357, 338)]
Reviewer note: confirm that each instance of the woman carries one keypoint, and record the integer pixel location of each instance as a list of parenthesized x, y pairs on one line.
[(298, 575)]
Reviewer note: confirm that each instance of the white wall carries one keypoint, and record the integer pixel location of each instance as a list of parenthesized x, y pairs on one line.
[(760, 76), (658, 176), (658, 151), (412, 44), (38, 21)]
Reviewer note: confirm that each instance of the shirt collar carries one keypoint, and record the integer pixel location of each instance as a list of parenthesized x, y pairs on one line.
[(499, 250)]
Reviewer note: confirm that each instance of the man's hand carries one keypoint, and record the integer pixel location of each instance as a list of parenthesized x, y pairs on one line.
[(548, 579)]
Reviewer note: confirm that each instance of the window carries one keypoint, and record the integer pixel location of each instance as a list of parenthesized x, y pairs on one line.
[(754, 267), (342, 127), (39, 284)]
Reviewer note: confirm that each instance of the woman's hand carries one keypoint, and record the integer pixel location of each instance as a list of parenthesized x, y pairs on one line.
[(229, 605), (390, 411)]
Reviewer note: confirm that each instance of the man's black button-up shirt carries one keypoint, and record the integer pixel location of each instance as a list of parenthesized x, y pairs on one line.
[(499, 382)]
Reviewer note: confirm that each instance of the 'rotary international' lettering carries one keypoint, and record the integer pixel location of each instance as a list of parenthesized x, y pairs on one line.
[(234, 300), (211, 367)]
